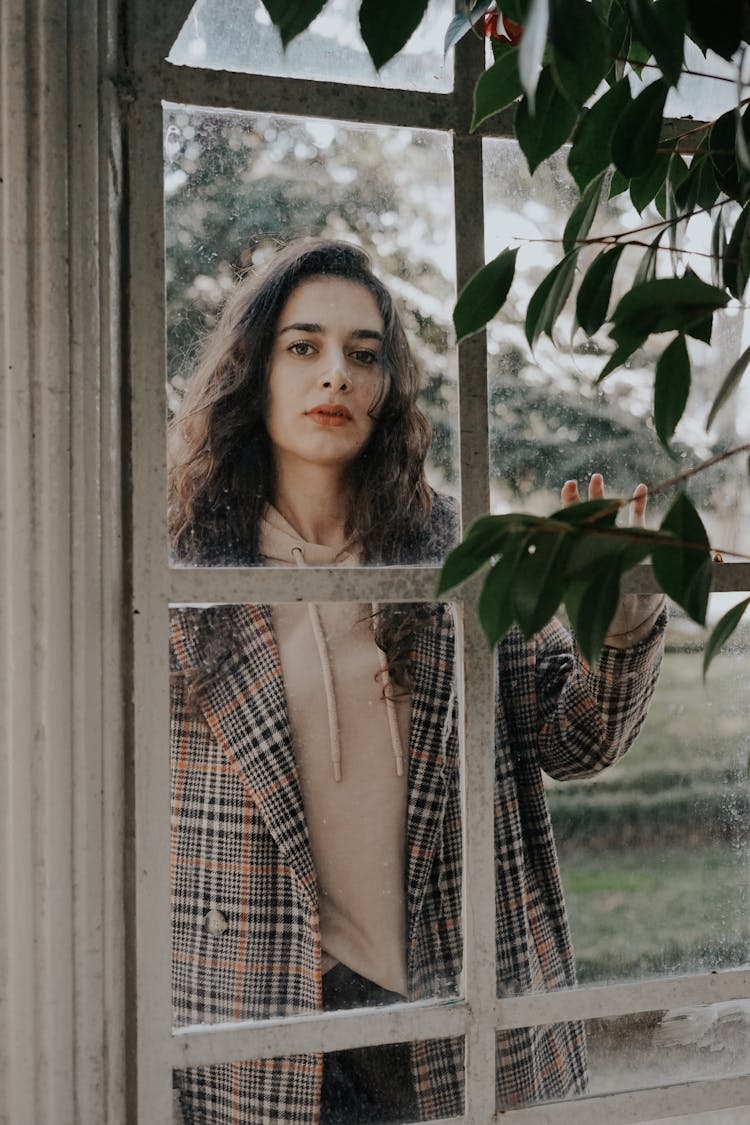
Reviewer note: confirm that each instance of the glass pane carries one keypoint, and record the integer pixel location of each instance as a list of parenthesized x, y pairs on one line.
[(316, 823), (644, 869), (635, 1052), (238, 35), (237, 187), (396, 1082), (654, 853), (549, 421)]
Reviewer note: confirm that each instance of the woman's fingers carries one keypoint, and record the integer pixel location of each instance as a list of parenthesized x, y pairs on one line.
[(596, 487), (571, 495), (638, 506)]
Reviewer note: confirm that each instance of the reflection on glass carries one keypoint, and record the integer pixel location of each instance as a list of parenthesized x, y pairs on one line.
[(237, 187), (655, 853), (238, 35), (548, 419), (395, 1082), (316, 826), (650, 1049)]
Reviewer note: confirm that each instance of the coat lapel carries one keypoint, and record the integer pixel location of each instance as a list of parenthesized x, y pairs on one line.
[(243, 700), (433, 750)]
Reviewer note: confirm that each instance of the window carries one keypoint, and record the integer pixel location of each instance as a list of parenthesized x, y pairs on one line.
[(253, 157)]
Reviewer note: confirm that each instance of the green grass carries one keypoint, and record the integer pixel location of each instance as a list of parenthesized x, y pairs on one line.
[(655, 852), (657, 910)]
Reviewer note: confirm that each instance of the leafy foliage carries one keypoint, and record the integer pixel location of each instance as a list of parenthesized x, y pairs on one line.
[(599, 73)]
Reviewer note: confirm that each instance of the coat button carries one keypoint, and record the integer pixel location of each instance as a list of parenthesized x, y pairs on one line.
[(215, 921)]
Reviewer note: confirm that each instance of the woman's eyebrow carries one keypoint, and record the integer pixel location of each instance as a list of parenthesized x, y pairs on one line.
[(356, 334)]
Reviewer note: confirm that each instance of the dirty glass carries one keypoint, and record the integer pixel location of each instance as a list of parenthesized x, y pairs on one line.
[(238, 35), (634, 1052), (655, 852), (316, 808), (652, 845), (548, 419), (395, 1082), (237, 187)]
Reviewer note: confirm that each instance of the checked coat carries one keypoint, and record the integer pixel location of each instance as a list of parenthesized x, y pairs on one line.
[(246, 941)]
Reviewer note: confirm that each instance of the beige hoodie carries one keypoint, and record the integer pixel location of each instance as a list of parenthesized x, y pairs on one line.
[(333, 675)]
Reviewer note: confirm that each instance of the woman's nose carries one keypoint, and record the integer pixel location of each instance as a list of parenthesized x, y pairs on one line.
[(335, 376)]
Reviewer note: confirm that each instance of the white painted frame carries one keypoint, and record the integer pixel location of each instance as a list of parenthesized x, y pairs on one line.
[(151, 32)]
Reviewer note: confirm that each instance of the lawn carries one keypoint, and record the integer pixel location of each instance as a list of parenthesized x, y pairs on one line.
[(655, 853)]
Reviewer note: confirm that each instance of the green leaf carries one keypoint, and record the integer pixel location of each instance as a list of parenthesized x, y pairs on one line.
[(587, 513), (644, 188), (722, 138), (595, 607), (718, 25), (590, 548), (661, 28), (627, 344), (677, 170), (580, 58), (544, 132), (539, 583), (495, 603), (618, 184), (671, 388), (596, 288), (486, 538), (548, 300), (482, 296), (636, 136), (647, 267), (664, 305), (497, 87), (638, 56), (718, 247), (579, 223), (731, 382), (388, 25), (735, 259), (292, 16), (722, 631), (462, 23), (708, 189), (684, 570), (591, 151)]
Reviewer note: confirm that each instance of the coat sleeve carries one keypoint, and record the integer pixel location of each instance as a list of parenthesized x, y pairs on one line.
[(588, 717)]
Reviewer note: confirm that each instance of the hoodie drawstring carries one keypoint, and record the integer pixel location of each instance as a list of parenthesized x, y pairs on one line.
[(325, 666)]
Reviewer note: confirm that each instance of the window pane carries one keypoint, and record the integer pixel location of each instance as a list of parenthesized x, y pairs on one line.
[(654, 852), (647, 854), (316, 824), (237, 186), (635, 1052), (397, 1082), (548, 420), (238, 35)]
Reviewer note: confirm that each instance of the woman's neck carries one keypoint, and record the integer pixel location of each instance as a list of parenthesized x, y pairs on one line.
[(316, 505)]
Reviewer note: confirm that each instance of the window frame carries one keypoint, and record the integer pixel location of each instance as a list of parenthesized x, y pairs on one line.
[(155, 585)]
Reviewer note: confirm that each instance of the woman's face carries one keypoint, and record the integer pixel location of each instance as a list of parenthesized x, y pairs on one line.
[(326, 373)]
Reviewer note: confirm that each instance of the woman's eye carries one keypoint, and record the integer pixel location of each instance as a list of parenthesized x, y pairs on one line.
[(301, 347), (366, 357)]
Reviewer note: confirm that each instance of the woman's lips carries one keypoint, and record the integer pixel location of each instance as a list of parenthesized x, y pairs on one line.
[(329, 414)]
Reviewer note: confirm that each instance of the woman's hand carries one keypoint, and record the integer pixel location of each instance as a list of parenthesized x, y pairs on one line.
[(637, 613), (636, 508)]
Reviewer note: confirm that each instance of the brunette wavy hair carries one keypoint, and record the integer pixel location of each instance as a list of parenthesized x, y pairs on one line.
[(221, 466)]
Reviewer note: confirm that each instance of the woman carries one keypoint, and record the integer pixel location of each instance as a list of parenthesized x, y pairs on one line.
[(315, 789)]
